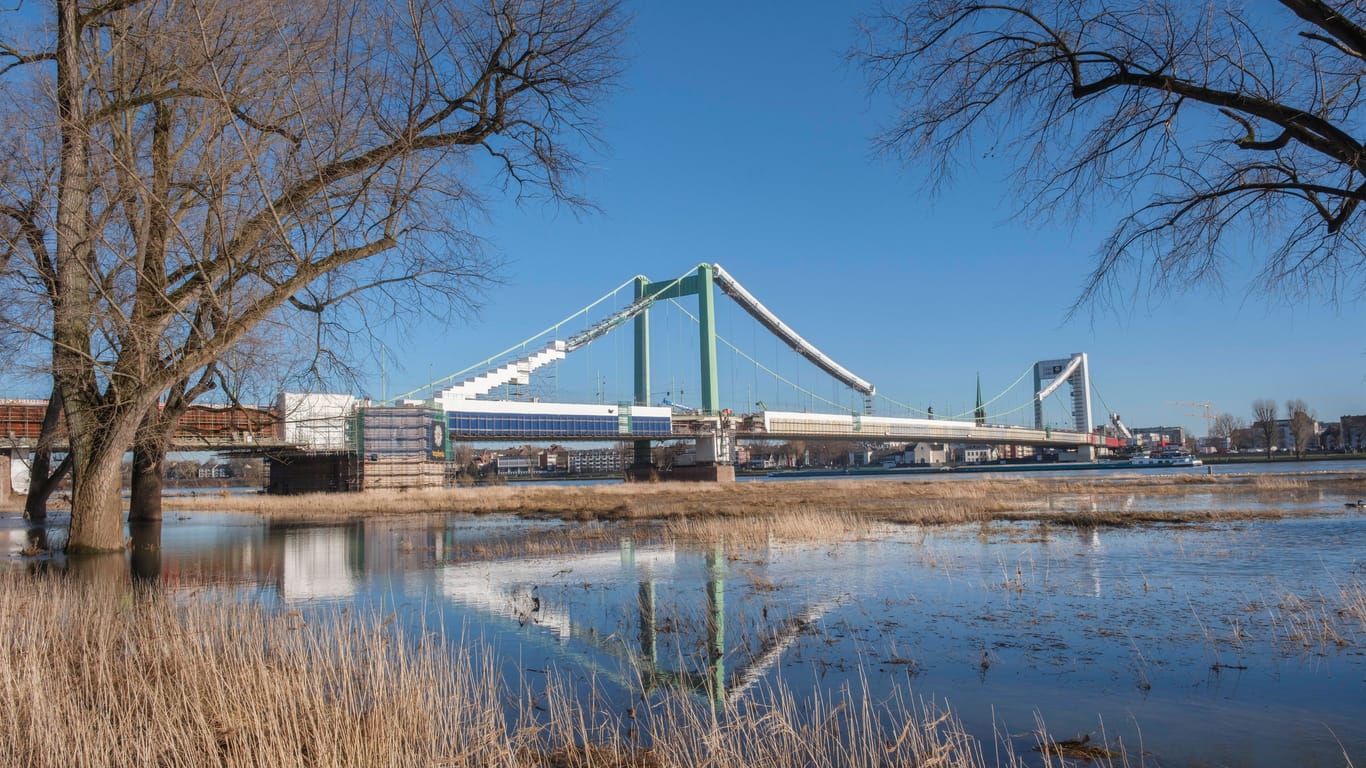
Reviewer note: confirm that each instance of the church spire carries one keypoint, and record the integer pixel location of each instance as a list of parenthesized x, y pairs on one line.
[(980, 415)]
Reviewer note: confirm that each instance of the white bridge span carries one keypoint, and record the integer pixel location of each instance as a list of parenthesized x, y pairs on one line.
[(786, 425)]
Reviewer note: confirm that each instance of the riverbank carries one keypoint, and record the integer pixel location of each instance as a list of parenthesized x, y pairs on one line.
[(802, 508), (1064, 501)]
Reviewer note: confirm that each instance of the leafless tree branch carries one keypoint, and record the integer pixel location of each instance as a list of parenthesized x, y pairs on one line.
[(1104, 104)]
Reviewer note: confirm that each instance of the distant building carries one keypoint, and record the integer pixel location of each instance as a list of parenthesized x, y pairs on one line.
[(1153, 436), (1215, 444), (929, 454), (1352, 433), (1287, 436), (1015, 451), (860, 458), (597, 461), (513, 464), (214, 471), (554, 459), (1259, 436), (1283, 434), (741, 455), (975, 454)]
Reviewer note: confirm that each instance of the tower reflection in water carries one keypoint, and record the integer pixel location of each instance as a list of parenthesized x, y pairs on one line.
[(577, 609)]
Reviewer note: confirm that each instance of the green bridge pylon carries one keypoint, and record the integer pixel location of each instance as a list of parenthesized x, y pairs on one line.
[(701, 285)]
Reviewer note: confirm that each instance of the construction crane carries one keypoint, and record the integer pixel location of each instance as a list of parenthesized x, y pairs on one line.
[(1208, 415), (1119, 426)]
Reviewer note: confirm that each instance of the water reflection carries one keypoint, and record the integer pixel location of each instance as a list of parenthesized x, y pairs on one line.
[(144, 551), (642, 613), (321, 563)]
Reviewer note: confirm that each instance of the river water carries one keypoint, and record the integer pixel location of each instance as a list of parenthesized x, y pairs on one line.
[(1192, 645)]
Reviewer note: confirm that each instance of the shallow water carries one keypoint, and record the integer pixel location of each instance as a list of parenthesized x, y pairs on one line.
[(1193, 645)]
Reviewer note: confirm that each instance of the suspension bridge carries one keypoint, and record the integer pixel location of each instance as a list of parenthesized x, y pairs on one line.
[(491, 400), (486, 401)]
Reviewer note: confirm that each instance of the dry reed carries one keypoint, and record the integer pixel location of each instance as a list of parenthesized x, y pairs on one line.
[(854, 504), (95, 675)]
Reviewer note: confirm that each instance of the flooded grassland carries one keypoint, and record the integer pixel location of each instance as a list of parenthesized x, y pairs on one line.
[(1144, 621)]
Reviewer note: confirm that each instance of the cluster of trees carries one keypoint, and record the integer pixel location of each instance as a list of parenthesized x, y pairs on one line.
[(185, 183), (1302, 434)]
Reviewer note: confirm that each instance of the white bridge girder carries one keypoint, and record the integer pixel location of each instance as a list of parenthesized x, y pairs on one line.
[(784, 425)]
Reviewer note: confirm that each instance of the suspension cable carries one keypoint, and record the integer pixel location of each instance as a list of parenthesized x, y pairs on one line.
[(760, 365), (1002, 394), (581, 339), (1101, 397)]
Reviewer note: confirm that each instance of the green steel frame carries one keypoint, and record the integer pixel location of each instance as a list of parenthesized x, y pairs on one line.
[(701, 285)]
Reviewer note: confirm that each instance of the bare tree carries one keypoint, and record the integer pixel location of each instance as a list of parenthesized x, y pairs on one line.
[(1233, 130), (1225, 426), (1304, 426), (265, 357), (1264, 417), (211, 163)]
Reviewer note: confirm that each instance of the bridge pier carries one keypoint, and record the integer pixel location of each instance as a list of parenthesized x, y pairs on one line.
[(713, 460), (709, 473)]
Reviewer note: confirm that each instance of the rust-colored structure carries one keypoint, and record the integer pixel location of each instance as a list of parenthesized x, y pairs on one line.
[(21, 421)]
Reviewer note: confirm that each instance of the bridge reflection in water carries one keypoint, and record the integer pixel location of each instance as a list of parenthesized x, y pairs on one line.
[(641, 616)]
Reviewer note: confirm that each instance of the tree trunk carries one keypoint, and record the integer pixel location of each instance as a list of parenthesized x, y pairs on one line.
[(39, 487), (42, 482), (98, 436), (154, 438), (96, 508), (42, 478), (149, 465)]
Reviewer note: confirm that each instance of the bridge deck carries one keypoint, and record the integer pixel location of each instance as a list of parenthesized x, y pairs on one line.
[(776, 425)]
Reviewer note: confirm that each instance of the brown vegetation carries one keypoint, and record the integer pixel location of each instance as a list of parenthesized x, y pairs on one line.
[(94, 674), (820, 508)]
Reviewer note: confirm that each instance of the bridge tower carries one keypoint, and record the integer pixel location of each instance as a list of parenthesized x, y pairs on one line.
[(699, 284), (1051, 374)]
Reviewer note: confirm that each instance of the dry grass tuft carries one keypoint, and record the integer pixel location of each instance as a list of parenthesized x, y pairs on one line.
[(92, 674), (801, 524), (1353, 604)]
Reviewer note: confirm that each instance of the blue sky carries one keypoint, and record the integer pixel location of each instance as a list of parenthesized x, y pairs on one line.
[(741, 136)]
